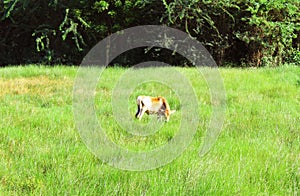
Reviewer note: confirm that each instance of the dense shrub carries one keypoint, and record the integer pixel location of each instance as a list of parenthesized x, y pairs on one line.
[(255, 33), (57, 31)]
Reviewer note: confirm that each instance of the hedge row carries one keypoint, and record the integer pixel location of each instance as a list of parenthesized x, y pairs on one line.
[(241, 32)]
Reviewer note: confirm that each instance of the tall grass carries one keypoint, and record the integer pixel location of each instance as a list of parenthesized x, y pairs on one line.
[(257, 152)]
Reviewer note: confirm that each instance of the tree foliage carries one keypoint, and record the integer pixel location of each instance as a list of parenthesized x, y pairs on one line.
[(251, 32), (255, 32)]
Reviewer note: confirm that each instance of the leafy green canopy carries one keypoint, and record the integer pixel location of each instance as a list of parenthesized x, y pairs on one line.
[(255, 33)]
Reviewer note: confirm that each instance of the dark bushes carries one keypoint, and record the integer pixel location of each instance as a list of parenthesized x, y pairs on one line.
[(252, 33)]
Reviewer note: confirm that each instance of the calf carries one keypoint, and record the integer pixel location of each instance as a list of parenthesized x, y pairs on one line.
[(153, 105)]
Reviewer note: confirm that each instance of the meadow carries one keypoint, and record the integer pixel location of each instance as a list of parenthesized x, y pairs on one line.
[(256, 153)]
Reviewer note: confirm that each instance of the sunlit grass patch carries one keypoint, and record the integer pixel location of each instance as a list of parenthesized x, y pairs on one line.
[(257, 152)]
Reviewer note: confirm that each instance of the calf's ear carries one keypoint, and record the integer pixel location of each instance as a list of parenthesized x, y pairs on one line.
[(172, 111)]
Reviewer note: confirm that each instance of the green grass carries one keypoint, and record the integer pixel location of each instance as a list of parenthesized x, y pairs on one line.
[(257, 152)]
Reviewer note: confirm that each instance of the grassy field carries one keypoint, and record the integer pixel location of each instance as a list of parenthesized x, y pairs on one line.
[(257, 152)]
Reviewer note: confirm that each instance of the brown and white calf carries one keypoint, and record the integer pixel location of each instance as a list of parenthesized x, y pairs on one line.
[(153, 105)]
